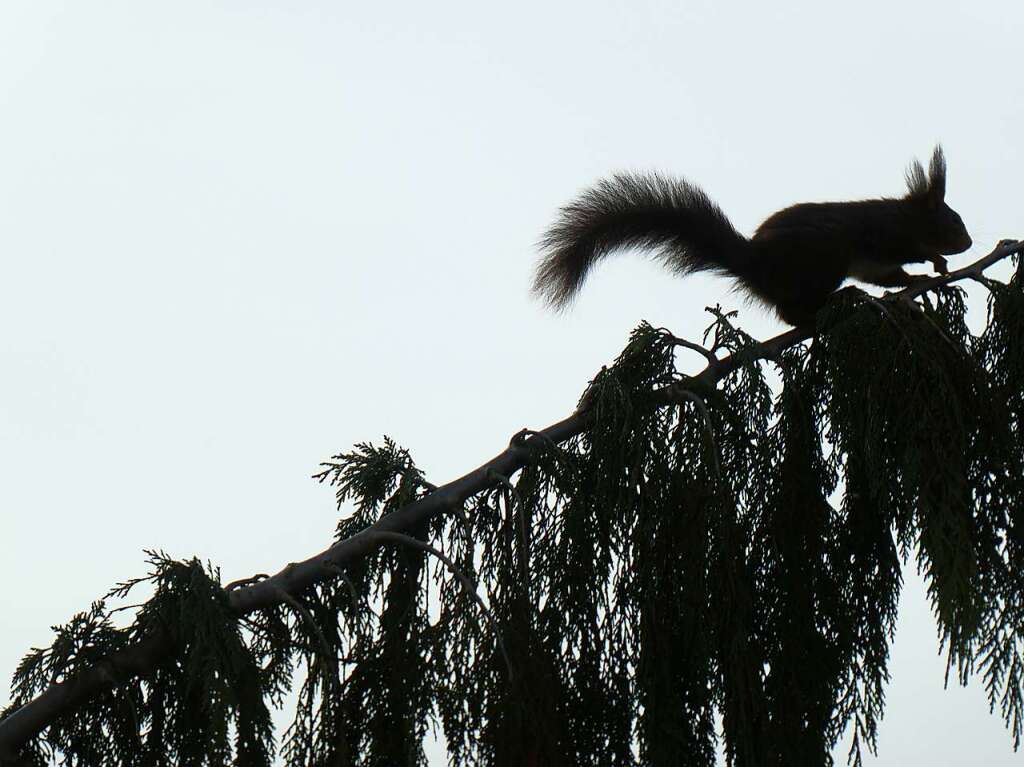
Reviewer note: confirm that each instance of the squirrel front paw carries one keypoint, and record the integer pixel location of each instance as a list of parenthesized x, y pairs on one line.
[(940, 264)]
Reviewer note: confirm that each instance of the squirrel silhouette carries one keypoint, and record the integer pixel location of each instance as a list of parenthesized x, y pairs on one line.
[(793, 262)]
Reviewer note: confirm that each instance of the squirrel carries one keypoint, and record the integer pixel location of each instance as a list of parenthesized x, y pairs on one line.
[(796, 258)]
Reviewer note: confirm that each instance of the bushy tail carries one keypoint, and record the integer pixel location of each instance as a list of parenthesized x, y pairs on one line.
[(670, 217)]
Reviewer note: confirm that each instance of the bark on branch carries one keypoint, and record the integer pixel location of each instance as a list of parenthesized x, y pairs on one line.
[(145, 655)]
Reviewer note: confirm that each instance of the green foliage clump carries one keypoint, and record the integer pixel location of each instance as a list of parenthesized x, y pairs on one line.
[(206, 705)]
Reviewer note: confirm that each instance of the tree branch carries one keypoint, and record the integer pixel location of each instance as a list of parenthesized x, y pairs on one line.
[(145, 655)]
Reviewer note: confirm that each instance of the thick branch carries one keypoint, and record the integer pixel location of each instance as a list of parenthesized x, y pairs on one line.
[(145, 655)]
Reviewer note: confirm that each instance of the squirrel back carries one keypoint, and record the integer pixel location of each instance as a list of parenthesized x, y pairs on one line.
[(795, 259)]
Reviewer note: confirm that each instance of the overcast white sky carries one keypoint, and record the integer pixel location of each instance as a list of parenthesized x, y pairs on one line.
[(237, 237)]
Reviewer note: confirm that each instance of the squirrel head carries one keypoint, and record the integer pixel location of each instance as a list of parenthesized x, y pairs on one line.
[(939, 228)]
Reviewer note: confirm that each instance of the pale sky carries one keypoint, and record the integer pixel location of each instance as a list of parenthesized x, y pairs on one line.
[(238, 237)]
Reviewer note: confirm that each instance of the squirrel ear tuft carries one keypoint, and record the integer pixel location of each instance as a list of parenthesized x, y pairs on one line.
[(937, 175), (917, 181)]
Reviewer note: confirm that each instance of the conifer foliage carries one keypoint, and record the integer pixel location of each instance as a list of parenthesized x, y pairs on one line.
[(702, 563)]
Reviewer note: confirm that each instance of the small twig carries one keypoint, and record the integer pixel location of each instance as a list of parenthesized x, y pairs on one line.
[(520, 438), (467, 527), (416, 543), (512, 492), (503, 481), (125, 607), (878, 305), (881, 307), (500, 479), (711, 358), (957, 350), (524, 438), (246, 581), (703, 408), (524, 549), (981, 279), (353, 592), (301, 609)]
